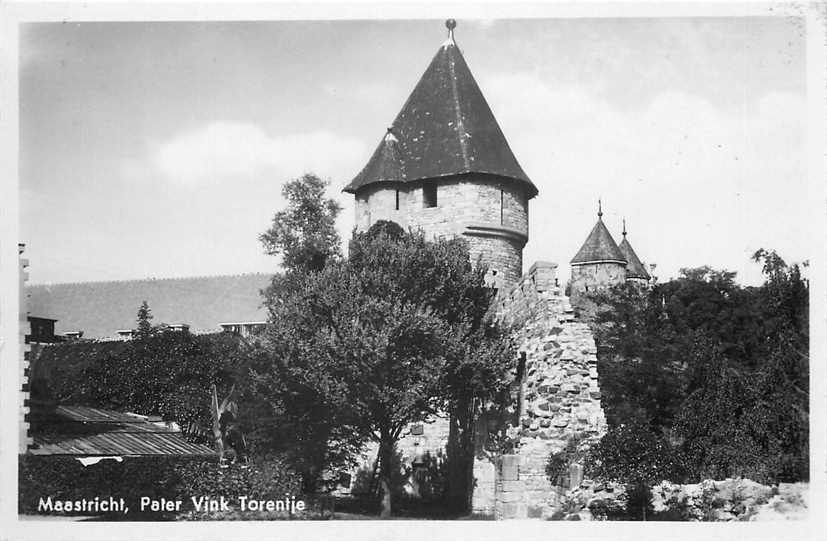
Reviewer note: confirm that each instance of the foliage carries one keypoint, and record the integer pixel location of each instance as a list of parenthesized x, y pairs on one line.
[(634, 455), (167, 374), (720, 369), (56, 369), (169, 477), (144, 329), (631, 454), (367, 345), (751, 425), (304, 234)]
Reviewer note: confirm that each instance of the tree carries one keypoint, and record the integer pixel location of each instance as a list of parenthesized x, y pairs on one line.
[(368, 345), (304, 233), (145, 328), (719, 367), (751, 418)]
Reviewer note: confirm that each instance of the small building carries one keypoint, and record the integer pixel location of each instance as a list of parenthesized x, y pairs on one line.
[(42, 331), (245, 329)]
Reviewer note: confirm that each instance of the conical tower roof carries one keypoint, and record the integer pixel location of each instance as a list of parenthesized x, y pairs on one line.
[(599, 246), (387, 163), (445, 128), (634, 268)]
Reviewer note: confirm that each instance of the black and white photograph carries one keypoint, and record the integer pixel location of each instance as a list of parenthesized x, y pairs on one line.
[(506, 268)]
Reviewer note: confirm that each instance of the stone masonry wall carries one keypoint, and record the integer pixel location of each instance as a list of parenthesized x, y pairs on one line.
[(590, 277), (490, 214), (560, 396)]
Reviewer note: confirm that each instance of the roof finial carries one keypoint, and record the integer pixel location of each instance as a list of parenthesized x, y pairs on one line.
[(450, 24), (599, 208), (624, 228)]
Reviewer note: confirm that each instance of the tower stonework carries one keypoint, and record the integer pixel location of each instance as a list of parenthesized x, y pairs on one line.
[(492, 215), (444, 166)]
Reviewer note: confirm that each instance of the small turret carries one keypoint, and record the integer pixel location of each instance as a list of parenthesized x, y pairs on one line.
[(635, 270), (599, 263)]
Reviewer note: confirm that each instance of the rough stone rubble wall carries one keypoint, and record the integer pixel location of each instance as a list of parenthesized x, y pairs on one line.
[(560, 393)]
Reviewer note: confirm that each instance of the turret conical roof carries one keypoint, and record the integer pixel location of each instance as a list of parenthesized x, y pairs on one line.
[(634, 268), (599, 246), (445, 128)]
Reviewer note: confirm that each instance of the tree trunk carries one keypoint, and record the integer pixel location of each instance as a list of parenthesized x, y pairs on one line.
[(460, 455), (386, 448)]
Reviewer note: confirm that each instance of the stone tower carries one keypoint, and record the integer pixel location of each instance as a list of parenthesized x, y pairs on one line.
[(635, 270), (444, 166), (599, 264)]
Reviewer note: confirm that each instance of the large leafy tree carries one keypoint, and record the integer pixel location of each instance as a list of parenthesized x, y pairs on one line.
[(720, 369), (382, 339), (304, 233)]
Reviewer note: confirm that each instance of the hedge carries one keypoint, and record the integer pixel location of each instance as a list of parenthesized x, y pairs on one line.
[(169, 477)]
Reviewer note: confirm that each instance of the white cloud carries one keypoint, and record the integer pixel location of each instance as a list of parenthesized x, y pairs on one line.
[(224, 150), (698, 184)]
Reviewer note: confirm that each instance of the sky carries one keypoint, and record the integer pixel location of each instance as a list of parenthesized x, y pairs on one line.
[(160, 149)]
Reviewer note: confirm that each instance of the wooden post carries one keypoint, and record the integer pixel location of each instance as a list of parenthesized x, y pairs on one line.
[(216, 427)]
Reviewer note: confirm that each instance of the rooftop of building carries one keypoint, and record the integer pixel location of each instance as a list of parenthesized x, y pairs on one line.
[(599, 245), (444, 129), (634, 267), (89, 432), (101, 309)]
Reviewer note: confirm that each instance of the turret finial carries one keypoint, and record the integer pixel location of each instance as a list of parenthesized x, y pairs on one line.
[(450, 24), (624, 228), (599, 208)]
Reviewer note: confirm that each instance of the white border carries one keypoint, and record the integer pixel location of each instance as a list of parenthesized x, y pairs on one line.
[(816, 206)]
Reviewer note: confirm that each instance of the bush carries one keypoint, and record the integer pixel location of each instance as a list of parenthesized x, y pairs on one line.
[(167, 374)]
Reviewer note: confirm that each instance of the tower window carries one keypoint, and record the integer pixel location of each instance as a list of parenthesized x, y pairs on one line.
[(502, 207), (429, 195), (397, 199)]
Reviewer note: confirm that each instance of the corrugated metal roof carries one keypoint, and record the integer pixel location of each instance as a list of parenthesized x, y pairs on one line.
[(634, 268), (84, 431), (445, 128), (100, 309), (85, 414), (118, 444), (599, 246)]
